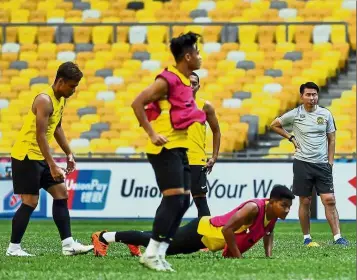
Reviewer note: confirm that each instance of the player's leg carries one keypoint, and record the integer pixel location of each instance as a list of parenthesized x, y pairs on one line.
[(302, 187), (170, 176), (186, 240), (60, 214), (26, 182), (199, 190), (325, 188), (101, 240)]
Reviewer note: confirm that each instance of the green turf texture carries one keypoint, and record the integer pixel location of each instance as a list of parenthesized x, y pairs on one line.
[(291, 260)]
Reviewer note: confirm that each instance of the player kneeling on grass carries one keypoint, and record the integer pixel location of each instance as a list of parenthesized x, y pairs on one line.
[(235, 232)]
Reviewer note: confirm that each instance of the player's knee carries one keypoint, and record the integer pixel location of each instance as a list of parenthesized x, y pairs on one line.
[(30, 200), (305, 201), (329, 201)]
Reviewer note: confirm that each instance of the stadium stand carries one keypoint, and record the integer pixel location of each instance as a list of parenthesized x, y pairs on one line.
[(250, 73)]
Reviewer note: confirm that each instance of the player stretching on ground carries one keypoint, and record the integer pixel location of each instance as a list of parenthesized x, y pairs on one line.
[(34, 168), (235, 232), (171, 110)]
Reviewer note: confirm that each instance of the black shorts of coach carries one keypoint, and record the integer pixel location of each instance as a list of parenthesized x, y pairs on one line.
[(308, 175), (198, 180), (29, 176), (171, 169)]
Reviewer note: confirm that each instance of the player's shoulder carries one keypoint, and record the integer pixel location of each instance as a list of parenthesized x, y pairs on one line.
[(323, 110)]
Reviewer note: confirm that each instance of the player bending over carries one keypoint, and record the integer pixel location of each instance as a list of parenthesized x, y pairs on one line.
[(235, 232)]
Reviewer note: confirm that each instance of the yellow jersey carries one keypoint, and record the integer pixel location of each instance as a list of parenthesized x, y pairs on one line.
[(26, 143), (197, 140), (213, 237), (162, 125)]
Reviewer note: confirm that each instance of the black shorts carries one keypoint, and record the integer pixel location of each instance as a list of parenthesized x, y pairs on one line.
[(308, 175), (171, 169), (29, 176), (198, 180)]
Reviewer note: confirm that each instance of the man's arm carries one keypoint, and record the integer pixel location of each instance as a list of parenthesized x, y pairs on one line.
[(62, 142), (42, 108), (268, 244), (61, 139), (153, 93), (331, 140), (214, 125), (245, 216), (286, 119)]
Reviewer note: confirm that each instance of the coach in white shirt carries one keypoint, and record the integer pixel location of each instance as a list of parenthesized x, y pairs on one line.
[(314, 140)]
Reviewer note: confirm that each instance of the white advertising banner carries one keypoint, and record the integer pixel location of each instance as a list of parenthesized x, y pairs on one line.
[(128, 190)]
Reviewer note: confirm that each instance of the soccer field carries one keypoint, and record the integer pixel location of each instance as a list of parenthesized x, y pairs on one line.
[(290, 259)]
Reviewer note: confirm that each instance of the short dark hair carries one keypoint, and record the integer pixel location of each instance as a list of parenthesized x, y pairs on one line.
[(196, 75), (309, 85), (69, 71), (280, 191), (183, 43)]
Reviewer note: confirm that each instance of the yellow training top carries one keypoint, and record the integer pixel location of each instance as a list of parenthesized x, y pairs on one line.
[(26, 143), (197, 140), (213, 237), (162, 125)]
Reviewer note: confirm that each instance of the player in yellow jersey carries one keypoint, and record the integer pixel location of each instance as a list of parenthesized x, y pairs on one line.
[(196, 152), (33, 166)]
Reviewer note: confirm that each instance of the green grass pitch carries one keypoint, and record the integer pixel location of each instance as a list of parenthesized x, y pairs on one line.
[(290, 259)]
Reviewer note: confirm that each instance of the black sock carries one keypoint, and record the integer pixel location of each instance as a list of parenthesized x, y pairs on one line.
[(166, 215), (176, 224), (61, 217), (202, 206), (133, 237), (20, 222)]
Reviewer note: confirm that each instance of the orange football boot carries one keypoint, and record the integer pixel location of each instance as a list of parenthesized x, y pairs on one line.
[(134, 250), (100, 248)]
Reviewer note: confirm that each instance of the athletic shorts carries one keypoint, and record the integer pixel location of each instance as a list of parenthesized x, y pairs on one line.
[(29, 176), (171, 169), (198, 180), (308, 175)]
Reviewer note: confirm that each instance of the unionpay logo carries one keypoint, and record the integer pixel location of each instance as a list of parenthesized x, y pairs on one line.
[(87, 189), (12, 201), (353, 184)]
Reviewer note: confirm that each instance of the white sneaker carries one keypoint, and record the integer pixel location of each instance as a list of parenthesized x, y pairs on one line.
[(166, 264), (152, 262), (76, 248), (18, 253)]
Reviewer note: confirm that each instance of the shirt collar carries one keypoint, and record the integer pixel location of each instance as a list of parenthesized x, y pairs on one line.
[(183, 79)]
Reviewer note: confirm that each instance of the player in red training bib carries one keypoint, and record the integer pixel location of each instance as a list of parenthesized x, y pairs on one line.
[(234, 232)]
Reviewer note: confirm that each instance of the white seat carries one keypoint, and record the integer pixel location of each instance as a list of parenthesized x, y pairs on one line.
[(66, 56), (321, 33), (151, 65), (236, 56), (206, 5), (90, 14), (113, 80), (0, 134), (287, 13), (55, 20), (202, 73), (105, 95), (232, 103), (125, 150), (4, 103), (137, 34), (10, 48), (349, 5), (202, 20), (212, 47), (79, 142), (272, 88)]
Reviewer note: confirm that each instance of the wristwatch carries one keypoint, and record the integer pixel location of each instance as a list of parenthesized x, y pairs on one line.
[(291, 138)]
